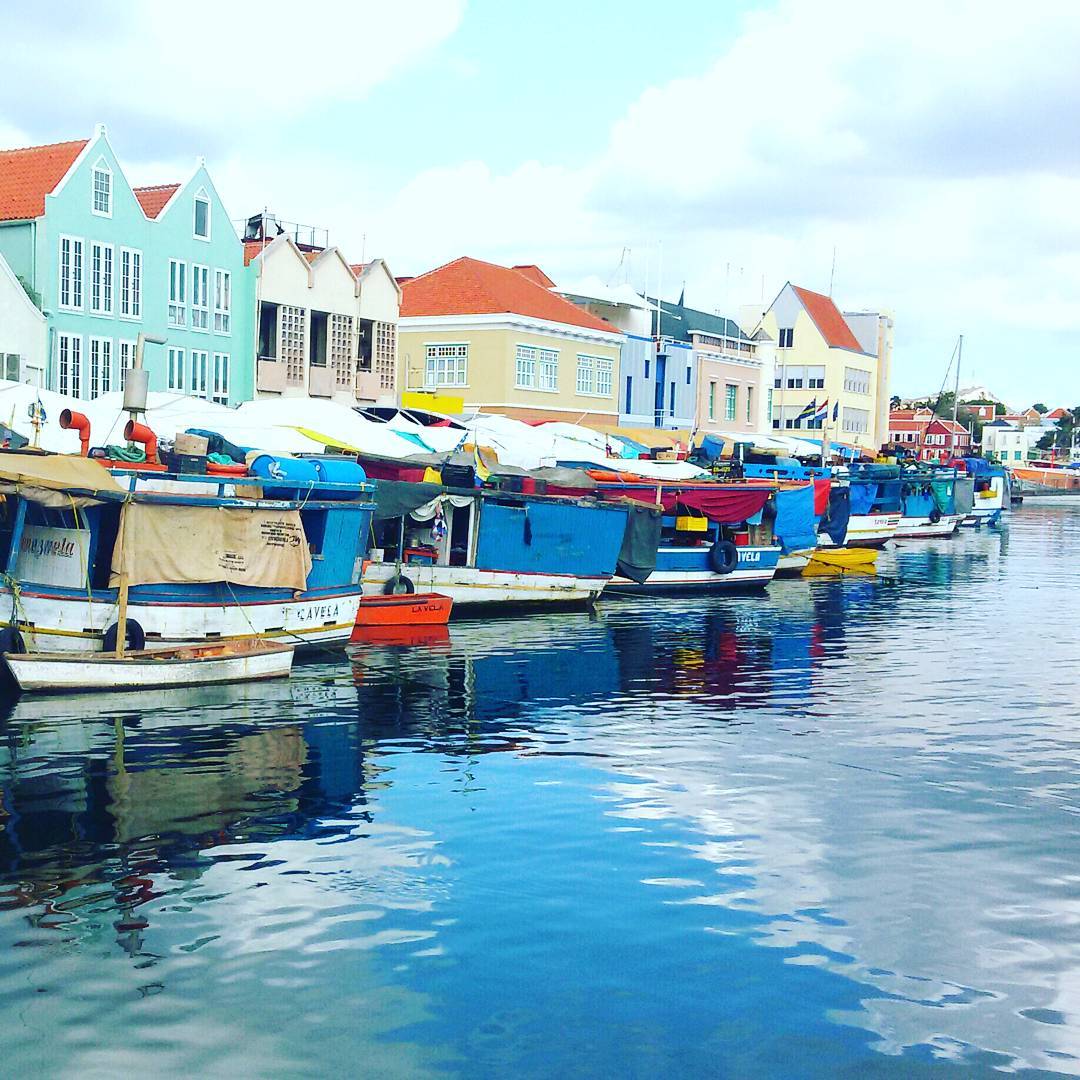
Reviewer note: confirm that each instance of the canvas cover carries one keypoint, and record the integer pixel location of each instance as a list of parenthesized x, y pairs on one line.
[(637, 557), (161, 544), (57, 472), (795, 524)]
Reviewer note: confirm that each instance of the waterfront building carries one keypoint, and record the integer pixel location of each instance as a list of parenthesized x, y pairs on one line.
[(502, 339), (107, 261), (722, 374), (22, 332), (324, 328), (1010, 442), (819, 358), (907, 428), (945, 439)]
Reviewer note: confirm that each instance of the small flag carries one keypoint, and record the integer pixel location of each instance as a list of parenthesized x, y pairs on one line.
[(810, 410), (481, 470), (822, 412), (836, 410)]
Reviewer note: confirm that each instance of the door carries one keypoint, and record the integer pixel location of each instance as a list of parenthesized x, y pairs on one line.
[(658, 396)]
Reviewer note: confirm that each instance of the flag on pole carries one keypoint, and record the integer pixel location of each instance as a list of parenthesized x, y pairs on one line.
[(822, 412), (836, 410), (809, 411)]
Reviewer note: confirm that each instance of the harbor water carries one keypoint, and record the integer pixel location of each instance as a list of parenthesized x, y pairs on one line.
[(832, 830)]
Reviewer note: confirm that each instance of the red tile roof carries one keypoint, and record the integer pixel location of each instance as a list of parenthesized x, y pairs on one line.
[(473, 287), (829, 321), (534, 273), (153, 198), (1056, 414), (252, 248), (29, 174)]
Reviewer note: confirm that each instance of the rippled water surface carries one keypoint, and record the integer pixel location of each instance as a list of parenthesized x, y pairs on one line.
[(834, 830)]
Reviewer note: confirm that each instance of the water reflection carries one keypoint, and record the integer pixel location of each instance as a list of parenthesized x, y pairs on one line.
[(651, 839)]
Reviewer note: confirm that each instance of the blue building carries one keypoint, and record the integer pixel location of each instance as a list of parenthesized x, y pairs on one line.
[(105, 261)]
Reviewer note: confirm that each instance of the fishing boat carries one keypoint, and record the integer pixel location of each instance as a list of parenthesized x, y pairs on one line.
[(417, 609), (487, 547), (844, 559), (204, 558), (928, 506), (239, 660), (990, 491), (1046, 478), (715, 536)]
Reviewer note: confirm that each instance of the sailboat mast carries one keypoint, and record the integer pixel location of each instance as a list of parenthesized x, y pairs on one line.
[(956, 394)]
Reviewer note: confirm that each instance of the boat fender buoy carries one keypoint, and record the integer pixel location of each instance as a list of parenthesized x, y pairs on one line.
[(723, 556), (399, 586), (11, 641), (135, 637), (935, 516), (768, 511)]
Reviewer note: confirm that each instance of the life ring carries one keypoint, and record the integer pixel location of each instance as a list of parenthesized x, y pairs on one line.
[(11, 641), (135, 637), (214, 469), (723, 556), (399, 586), (935, 516)]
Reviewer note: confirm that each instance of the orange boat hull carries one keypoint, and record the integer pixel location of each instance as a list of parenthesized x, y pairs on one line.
[(415, 609)]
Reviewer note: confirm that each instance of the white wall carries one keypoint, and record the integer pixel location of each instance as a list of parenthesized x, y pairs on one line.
[(22, 329)]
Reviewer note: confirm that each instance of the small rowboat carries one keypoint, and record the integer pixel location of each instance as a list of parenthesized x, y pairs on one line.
[(412, 609), (858, 559), (236, 660)]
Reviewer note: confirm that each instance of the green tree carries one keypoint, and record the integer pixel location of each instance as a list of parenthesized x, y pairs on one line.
[(894, 401), (1040, 408)]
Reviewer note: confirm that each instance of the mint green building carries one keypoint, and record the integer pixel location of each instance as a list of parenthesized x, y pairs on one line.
[(105, 261)]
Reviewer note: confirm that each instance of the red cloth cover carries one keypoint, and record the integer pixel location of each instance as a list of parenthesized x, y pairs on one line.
[(726, 504), (821, 496)]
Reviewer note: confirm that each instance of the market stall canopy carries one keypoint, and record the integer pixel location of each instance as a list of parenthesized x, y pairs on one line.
[(57, 472)]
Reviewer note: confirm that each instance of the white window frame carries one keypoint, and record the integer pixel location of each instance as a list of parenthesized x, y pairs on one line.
[(586, 375), (220, 386), (222, 310), (101, 166), (125, 361), (595, 375), (100, 352), (446, 363), (200, 297), (177, 311), (130, 283), (200, 373), (731, 401), (69, 365), (201, 196), (75, 277), (526, 365), (175, 370), (547, 372), (102, 278)]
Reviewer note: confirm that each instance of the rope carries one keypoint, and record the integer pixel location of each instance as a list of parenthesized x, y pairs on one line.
[(285, 633)]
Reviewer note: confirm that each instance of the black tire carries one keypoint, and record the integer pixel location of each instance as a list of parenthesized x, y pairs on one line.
[(11, 641), (135, 637), (399, 586), (935, 516), (723, 556)]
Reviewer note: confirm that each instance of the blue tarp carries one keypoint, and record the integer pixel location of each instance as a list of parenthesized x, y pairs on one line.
[(863, 494), (795, 524), (918, 501), (835, 522), (710, 449)]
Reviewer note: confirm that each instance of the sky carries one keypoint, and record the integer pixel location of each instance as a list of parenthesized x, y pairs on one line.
[(922, 158)]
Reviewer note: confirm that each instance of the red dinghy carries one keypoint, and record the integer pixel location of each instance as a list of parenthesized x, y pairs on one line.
[(412, 609)]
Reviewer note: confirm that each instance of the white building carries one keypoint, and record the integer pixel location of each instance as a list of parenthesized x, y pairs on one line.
[(324, 329), (1009, 443), (23, 334)]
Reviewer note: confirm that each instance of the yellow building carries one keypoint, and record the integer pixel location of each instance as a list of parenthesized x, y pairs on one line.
[(499, 338), (822, 362)]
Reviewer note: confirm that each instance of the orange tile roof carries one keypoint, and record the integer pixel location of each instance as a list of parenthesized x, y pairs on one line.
[(829, 321), (252, 249), (154, 197), (29, 174), (534, 273), (473, 287)]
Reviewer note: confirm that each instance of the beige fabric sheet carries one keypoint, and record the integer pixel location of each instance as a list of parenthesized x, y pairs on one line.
[(193, 544), (56, 471)]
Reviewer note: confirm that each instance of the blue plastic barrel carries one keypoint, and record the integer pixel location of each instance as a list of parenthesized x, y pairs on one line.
[(338, 471), (291, 477)]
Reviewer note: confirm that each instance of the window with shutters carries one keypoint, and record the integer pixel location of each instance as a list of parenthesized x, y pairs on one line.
[(291, 341), (101, 279), (446, 365), (100, 366), (69, 365), (200, 362), (177, 293), (221, 378), (340, 351), (71, 273)]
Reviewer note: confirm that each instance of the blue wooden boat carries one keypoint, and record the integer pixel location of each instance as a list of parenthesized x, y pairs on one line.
[(202, 557)]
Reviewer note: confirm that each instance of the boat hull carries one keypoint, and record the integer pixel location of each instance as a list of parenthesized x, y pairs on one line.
[(467, 586), (53, 622), (843, 559), (918, 528), (61, 673), (867, 530), (418, 609), (688, 570)]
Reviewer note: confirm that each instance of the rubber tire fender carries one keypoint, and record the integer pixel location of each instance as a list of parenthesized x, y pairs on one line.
[(935, 516), (135, 637), (11, 641), (399, 586), (723, 556)]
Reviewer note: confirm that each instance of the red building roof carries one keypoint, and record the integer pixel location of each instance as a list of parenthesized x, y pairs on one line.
[(29, 174), (153, 198), (937, 425), (473, 287), (534, 273), (828, 320), (1056, 414)]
